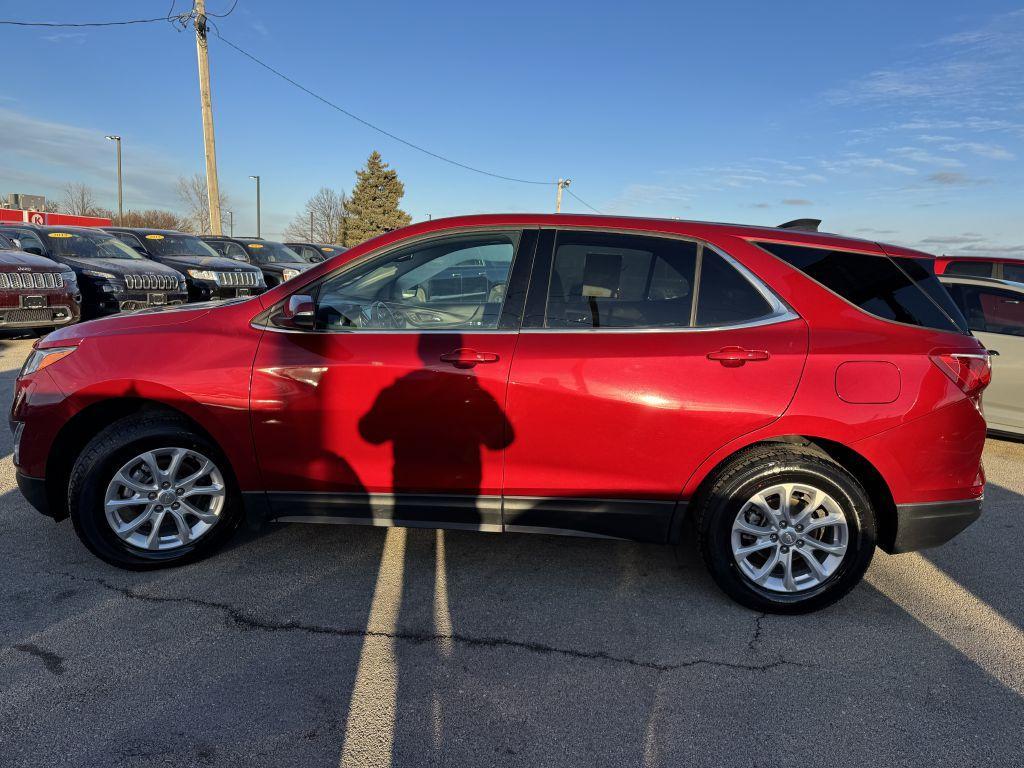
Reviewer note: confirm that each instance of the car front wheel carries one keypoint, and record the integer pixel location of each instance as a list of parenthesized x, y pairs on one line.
[(785, 529), (148, 491)]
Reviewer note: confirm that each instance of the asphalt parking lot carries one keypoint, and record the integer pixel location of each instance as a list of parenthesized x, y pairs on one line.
[(328, 645)]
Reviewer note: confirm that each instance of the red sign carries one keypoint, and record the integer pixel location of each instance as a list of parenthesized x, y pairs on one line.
[(13, 216)]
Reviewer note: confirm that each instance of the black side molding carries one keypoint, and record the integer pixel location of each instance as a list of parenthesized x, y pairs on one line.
[(34, 491), (921, 526)]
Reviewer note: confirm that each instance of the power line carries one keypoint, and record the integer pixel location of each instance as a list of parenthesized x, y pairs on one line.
[(181, 17), (370, 125), (581, 200)]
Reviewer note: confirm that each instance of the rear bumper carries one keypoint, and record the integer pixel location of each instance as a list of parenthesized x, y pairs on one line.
[(921, 526), (34, 491)]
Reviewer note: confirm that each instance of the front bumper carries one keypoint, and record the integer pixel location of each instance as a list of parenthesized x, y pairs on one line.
[(39, 317), (922, 526)]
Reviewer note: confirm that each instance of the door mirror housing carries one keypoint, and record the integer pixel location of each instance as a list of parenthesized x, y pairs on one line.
[(299, 312), (33, 249)]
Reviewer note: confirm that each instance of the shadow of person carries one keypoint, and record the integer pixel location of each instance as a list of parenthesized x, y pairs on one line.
[(438, 419)]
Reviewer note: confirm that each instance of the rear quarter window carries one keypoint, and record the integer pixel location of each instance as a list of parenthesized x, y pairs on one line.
[(903, 290), (969, 268)]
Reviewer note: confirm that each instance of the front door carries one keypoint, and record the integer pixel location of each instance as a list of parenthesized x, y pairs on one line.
[(639, 356), (391, 411)]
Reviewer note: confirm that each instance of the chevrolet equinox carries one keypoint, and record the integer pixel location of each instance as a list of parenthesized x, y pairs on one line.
[(788, 399)]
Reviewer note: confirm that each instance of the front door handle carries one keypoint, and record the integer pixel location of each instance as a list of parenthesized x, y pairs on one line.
[(467, 358), (734, 357)]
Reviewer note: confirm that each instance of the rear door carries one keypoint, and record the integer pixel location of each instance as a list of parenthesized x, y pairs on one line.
[(639, 356), (996, 316)]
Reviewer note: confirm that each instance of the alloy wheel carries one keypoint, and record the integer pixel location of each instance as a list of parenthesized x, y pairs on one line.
[(165, 498), (789, 537)]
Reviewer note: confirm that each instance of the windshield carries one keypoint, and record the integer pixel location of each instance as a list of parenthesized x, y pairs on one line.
[(82, 244), (176, 245), (272, 253)]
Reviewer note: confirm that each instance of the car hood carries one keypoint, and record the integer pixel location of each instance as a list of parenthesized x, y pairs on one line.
[(17, 261), (216, 263), (120, 267)]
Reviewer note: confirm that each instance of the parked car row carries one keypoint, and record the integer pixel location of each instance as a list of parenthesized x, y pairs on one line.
[(54, 275)]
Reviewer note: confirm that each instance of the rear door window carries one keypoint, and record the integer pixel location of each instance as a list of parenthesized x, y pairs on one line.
[(725, 296), (970, 268), (903, 290), (610, 280)]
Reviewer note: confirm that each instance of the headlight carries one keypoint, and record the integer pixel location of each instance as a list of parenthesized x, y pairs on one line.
[(202, 274), (96, 273), (41, 358), (288, 274)]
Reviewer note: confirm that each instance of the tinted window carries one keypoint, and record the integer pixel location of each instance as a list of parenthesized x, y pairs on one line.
[(29, 239), (877, 284), (990, 310), (88, 244), (266, 252), (176, 245), (601, 280), (128, 239), (1013, 272), (725, 297), (455, 283), (972, 268)]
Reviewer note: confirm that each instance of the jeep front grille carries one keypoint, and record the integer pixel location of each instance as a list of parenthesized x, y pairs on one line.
[(247, 279), (150, 282), (21, 280)]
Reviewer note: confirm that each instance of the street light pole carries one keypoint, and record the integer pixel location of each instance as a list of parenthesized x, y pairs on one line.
[(231, 222), (120, 195), (257, 178)]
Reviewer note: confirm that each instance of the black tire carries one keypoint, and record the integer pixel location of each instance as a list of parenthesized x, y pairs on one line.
[(757, 469), (106, 453)]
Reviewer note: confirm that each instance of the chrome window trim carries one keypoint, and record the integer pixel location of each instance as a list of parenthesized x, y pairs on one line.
[(780, 311)]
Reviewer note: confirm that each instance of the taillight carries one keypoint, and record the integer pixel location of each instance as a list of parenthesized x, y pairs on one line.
[(972, 371)]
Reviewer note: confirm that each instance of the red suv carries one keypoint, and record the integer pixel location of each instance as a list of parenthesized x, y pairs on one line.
[(792, 398)]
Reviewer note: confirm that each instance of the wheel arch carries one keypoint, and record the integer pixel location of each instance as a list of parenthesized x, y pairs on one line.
[(84, 425), (858, 465)]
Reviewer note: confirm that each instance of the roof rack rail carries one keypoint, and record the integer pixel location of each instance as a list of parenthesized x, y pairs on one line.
[(804, 225)]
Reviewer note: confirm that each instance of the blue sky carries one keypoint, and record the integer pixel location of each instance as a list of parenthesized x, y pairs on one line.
[(895, 121)]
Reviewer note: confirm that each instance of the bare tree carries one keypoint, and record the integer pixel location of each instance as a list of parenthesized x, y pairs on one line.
[(192, 192), (79, 200), (325, 212), (153, 219)]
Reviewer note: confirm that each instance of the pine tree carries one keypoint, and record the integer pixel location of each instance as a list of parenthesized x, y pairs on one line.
[(373, 206)]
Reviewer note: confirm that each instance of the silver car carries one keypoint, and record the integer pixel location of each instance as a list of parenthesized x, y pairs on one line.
[(995, 313)]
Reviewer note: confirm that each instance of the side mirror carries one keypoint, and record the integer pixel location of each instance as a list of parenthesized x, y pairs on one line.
[(33, 249), (316, 259), (142, 250), (299, 312)]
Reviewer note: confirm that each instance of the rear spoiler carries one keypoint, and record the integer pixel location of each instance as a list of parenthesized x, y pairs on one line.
[(804, 225)]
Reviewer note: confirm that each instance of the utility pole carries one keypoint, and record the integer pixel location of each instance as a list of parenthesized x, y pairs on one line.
[(257, 178), (562, 184), (205, 100), (120, 195)]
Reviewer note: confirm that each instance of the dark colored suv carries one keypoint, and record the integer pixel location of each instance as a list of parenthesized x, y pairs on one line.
[(112, 277), (314, 253), (278, 262), (36, 293), (792, 398), (208, 274)]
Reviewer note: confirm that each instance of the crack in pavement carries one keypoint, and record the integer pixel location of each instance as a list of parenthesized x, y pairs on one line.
[(752, 645), (54, 662), (249, 621)]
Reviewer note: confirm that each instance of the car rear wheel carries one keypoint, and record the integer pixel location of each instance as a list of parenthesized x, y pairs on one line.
[(148, 491), (785, 529)]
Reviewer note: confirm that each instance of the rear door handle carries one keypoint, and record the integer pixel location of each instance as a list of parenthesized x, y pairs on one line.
[(734, 357), (467, 358)]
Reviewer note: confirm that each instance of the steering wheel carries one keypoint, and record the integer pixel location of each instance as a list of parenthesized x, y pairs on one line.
[(379, 314)]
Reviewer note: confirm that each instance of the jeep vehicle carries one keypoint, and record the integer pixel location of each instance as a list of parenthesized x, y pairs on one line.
[(112, 277), (278, 261), (314, 253), (36, 293), (208, 274), (999, 267), (790, 399)]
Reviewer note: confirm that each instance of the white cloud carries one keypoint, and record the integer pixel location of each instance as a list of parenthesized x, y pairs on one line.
[(991, 151)]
